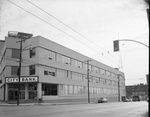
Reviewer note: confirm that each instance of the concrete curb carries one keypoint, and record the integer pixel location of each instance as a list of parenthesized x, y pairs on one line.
[(40, 104), (45, 104)]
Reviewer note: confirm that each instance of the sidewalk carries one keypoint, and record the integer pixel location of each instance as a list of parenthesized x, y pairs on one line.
[(2, 103)]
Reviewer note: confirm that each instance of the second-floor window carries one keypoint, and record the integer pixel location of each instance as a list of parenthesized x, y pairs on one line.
[(32, 70), (51, 71)]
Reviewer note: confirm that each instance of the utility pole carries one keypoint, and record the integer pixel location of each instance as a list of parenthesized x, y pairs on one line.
[(88, 80), (22, 37), (118, 89), (19, 72)]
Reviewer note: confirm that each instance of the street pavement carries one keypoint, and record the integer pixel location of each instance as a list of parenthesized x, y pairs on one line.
[(112, 109)]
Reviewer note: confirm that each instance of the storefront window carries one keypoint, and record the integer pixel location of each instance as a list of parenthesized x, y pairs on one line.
[(32, 87), (22, 86), (13, 91), (49, 89)]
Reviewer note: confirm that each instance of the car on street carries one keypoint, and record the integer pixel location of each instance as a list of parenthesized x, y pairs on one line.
[(103, 100), (136, 98), (127, 100)]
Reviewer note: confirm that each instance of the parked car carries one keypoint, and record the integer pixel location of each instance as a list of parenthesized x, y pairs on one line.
[(148, 100), (103, 100), (130, 100), (127, 100), (136, 98)]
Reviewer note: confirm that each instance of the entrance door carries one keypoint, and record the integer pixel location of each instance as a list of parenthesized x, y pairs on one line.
[(32, 90), (13, 92)]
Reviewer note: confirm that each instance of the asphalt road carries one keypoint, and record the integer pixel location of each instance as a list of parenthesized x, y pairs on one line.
[(118, 109)]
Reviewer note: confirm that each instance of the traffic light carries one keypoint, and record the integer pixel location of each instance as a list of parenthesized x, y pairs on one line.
[(116, 45)]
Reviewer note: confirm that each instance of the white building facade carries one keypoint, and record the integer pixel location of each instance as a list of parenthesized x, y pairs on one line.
[(54, 73)]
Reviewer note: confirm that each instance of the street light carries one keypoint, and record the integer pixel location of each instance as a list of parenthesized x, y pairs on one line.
[(23, 37)]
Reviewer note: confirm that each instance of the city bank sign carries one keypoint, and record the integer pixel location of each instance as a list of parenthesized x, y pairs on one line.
[(22, 79)]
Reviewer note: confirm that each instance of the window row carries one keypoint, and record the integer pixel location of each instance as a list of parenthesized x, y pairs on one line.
[(60, 73), (50, 55), (83, 90)]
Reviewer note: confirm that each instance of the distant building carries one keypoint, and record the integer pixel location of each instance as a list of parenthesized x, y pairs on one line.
[(137, 90), (54, 73)]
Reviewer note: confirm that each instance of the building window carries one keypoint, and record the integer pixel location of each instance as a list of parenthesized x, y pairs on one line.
[(108, 82), (102, 71), (14, 70), (77, 76), (32, 70), (66, 60), (51, 71), (15, 53), (95, 79), (107, 73), (32, 88), (103, 81), (49, 89), (32, 52), (70, 88), (51, 55), (95, 69), (78, 64), (62, 73)]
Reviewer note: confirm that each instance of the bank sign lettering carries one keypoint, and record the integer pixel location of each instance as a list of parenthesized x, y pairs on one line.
[(22, 79)]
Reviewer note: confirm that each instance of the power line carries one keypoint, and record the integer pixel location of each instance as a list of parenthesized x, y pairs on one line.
[(64, 31), (75, 30), (65, 25), (57, 28), (69, 27)]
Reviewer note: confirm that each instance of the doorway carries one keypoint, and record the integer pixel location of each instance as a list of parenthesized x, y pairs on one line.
[(13, 92)]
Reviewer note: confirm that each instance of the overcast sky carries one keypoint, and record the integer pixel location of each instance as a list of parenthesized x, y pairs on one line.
[(90, 28)]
